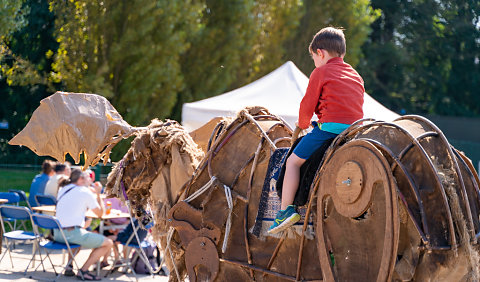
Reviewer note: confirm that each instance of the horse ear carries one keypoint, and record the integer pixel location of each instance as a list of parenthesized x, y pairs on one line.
[(202, 135)]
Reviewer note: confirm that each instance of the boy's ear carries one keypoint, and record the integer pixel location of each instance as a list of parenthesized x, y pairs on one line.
[(320, 53)]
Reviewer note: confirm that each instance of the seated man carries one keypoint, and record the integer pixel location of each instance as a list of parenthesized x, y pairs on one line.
[(62, 171), (73, 201), (40, 181)]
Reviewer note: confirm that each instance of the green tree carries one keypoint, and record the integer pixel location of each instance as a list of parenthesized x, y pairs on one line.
[(277, 22), (213, 60), (443, 45), (238, 41), (422, 56), (12, 17), (24, 69), (355, 16), (128, 51), (383, 66)]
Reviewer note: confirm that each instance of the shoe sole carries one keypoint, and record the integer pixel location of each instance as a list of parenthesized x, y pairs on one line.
[(294, 218)]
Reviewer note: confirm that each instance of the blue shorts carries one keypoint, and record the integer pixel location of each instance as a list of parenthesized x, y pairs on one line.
[(311, 142)]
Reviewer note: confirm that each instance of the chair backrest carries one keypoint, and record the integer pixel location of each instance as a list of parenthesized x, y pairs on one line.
[(21, 194), (46, 221), (12, 197), (14, 212), (45, 200)]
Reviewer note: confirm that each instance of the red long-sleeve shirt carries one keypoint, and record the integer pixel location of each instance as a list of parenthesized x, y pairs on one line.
[(335, 93)]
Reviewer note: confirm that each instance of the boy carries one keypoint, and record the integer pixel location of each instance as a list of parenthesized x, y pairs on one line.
[(335, 93)]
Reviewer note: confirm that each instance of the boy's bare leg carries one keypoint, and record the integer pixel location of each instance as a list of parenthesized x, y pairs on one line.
[(291, 179), (97, 253)]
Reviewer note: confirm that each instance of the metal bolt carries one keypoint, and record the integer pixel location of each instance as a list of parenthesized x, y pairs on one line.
[(348, 182)]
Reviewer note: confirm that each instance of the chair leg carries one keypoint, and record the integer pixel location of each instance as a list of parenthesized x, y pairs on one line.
[(22, 224), (10, 254), (28, 265), (9, 250), (75, 262), (12, 229), (130, 266), (65, 268), (35, 249), (41, 260), (48, 256), (6, 247)]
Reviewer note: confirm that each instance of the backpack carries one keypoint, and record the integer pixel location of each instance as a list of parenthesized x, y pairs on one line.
[(153, 255)]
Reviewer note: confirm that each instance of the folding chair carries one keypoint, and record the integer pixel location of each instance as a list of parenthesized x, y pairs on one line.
[(13, 199), (51, 223), (45, 200), (17, 213), (131, 243), (22, 195)]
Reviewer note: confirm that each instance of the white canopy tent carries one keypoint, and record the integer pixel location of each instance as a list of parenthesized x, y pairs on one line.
[(279, 91)]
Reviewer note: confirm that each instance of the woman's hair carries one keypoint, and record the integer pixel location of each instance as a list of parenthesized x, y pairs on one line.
[(47, 166), (74, 177)]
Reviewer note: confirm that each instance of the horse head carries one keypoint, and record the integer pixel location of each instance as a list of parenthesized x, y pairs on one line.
[(150, 176)]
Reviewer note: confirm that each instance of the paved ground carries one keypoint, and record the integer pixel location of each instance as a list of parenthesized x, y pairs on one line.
[(23, 253)]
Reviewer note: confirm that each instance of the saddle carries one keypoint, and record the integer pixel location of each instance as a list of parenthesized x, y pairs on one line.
[(307, 172), (270, 198)]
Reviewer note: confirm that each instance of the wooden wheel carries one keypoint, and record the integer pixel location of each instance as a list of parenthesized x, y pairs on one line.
[(357, 216)]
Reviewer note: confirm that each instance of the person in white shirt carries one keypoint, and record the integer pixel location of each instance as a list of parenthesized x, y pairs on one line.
[(62, 171), (73, 200)]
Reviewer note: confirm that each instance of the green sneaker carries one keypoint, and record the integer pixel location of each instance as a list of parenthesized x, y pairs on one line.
[(284, 219)]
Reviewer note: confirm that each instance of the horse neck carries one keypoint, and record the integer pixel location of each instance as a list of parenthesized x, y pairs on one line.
[(235, 157)]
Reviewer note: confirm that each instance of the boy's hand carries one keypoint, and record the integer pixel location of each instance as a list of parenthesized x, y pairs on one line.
[(295, 134), (296, 125)]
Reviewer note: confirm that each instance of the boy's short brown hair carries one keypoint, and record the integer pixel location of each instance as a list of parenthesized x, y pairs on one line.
[(330, 39)]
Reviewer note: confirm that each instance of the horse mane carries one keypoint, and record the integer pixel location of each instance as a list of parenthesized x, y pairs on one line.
[(150, 151)]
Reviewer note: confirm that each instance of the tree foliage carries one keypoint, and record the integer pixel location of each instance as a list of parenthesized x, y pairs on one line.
[(238, 41), (12, 17), (149, 57), (423, 56), (354, 16), (23, 74), (128, 51)]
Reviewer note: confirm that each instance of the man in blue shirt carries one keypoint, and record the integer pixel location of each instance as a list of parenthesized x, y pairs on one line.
[(40, 181)]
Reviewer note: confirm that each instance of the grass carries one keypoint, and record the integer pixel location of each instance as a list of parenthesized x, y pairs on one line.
[(16, 179)]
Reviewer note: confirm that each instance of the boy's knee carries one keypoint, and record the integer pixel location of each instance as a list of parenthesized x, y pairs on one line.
[(294, 160)]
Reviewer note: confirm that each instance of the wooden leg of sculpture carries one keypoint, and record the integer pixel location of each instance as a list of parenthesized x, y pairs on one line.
[(357, 196), (275, 252)]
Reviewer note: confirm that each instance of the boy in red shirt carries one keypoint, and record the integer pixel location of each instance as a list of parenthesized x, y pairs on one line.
[(335, 94)]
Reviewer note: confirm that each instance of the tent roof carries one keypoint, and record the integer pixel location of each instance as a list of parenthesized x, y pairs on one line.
[(279, 91)]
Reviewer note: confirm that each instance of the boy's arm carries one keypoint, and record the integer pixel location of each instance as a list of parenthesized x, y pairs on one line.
[(311, 98)]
